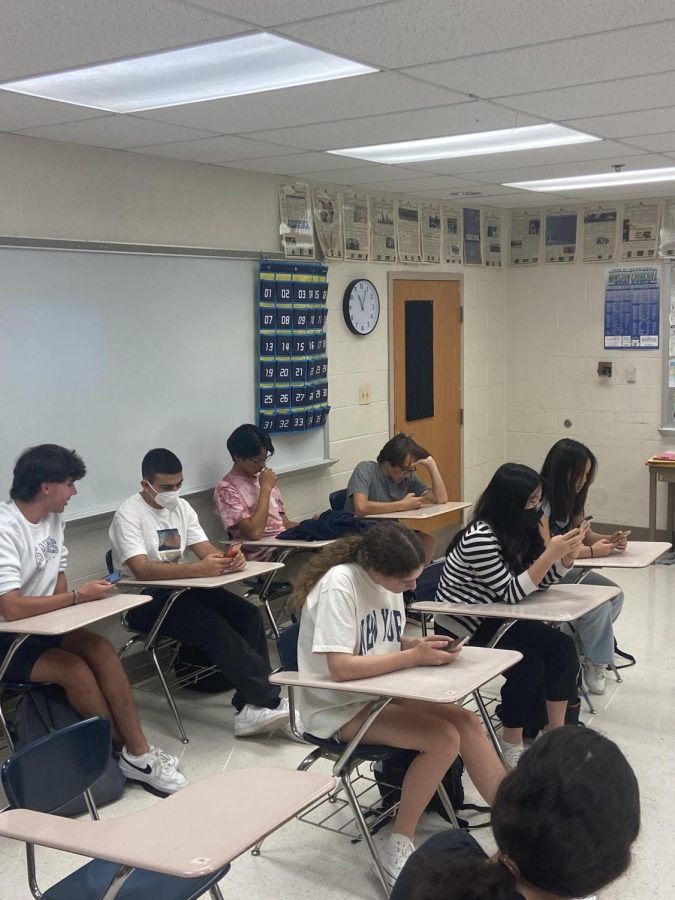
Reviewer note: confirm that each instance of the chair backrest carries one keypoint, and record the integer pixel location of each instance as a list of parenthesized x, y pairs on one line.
[(337, 499), (287, 645), (427, 583), (55, 769), (109, 562)]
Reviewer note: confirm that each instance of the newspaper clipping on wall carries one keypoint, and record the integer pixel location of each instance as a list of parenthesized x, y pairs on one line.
[(632, 308), (328, 221), (472, 251), (383, 230), (296, 228), (525, 246), (431, 232), (452, 234), (600, 232), (560, 236), (639, 232), (408, 231), (667, 239), (356, 225), (492, 237)]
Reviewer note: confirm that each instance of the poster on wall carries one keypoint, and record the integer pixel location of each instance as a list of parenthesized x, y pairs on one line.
[(356, 225), (525, 245), (296, 228), (560, 236), (632, 308), (383, 230), (600, 231), (328, 221), (639, 231), (408, 231), (667, 237), (431, 232), (492, 237), (472, 249), (452, 234)]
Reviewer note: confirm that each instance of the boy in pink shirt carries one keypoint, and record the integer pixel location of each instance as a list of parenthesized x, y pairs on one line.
[(247, 499)]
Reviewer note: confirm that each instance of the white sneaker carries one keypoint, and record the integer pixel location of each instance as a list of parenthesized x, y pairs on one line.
[(155, 768), (394, 856), (512, 753), (260, 720), (594, 676)]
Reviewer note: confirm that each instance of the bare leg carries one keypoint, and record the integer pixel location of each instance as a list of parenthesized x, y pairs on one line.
[(513, 735), (437, 742), (555, 710), (101, 658)]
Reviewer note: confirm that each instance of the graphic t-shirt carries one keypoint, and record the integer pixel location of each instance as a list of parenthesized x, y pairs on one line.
[(163, 535), (368, 478), (345, 612), (31, 556), (236, 497)]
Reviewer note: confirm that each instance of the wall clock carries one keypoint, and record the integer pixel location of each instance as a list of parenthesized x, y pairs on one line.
[(361, 306)]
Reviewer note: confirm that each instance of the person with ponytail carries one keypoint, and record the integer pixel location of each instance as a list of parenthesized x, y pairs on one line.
[(567, 474), (564, 821), (351, 627), (501, 558)]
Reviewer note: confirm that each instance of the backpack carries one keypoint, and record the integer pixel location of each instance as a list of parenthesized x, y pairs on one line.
[(46, 709)]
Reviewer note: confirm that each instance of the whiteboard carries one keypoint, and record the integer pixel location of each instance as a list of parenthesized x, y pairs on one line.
[(112, 354)]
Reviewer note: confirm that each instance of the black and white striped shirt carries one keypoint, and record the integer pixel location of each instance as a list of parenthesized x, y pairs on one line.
[(475, 571)]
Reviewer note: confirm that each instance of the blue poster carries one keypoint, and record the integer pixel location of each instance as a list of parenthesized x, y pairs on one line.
[(632, 306), (472, 252)]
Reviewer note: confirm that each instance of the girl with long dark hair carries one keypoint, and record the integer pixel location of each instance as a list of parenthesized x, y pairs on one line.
[(567, 474), (352, 627), (501, 557)]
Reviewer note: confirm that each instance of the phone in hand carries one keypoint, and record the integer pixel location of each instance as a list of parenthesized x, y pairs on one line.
[(453, 646), (232, 550), (113, 577), (585, 522), (621, 534)]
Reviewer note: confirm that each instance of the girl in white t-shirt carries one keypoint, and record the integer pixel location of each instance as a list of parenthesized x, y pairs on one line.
[(351, 627)]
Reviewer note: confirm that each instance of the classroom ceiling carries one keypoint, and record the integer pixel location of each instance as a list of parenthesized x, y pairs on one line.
[(605, 67)]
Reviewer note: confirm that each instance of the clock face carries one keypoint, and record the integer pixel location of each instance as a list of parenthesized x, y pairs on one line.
[(361, 306)]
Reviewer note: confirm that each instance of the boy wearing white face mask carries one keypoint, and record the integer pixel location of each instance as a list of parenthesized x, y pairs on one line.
[(151, 533)]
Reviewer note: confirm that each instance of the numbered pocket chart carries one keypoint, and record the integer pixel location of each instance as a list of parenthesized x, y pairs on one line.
[(293, 365)]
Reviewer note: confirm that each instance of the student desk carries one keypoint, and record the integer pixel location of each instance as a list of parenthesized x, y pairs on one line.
[(179, 586), (637, 555), (661, 471), (428, 517), (62, 621)]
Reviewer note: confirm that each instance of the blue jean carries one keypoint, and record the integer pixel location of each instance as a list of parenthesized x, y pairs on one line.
[(593, 634)]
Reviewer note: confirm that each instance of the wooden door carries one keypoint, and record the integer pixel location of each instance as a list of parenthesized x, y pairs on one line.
[(440, 432)]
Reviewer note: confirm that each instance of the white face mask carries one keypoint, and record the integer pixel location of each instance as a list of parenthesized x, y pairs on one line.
[(165, 499)]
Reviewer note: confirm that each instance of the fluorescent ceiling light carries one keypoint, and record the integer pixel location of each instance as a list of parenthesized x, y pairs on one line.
[(506, 140), (606, 179), (228, 68)]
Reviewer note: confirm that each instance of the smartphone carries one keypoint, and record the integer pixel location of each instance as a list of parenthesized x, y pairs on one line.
[(113, 577), (453, 646), (232, 550), (585, 521), (624, 533)]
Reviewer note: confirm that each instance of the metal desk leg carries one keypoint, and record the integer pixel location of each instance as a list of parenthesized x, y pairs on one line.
[(4, 665), (266, 589), (150, 647), (652, 502)]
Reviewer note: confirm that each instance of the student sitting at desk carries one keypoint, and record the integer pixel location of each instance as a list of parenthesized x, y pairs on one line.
[(351, 627), (500, 557), (390, 484), (247, 499), (150, 534), (33, 581), (567, 473)]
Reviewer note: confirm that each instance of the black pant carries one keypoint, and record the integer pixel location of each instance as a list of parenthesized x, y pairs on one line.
[(547, 671), (227, 628), (446, 848)]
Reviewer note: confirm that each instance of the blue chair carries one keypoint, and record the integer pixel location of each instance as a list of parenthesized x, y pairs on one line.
[(337, 499), (177, 849)]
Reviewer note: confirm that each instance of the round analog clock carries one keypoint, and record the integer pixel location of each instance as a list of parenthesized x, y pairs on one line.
[(361, 306)]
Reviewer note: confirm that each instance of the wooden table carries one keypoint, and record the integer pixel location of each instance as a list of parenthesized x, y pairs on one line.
[(661, 471)]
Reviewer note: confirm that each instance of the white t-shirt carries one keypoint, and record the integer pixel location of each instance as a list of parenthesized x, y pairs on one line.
[(31, 556), (345, 612), (163, 535)]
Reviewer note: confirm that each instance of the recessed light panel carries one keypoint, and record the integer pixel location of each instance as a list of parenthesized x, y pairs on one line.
[(228, 68), (606, 179), (505, 140)]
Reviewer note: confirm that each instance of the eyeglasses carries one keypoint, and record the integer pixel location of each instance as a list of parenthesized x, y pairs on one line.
[(259, 460), (408, 469)]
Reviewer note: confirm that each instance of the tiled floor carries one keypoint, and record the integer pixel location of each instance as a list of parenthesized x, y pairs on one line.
[(300, 861)]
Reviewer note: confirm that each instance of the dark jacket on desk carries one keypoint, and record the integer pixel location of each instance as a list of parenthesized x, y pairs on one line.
[(331, 524)]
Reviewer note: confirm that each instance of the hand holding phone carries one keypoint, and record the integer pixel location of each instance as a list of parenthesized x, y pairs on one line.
[(456, 644), (232, 550), (585, 523), (113, 577)]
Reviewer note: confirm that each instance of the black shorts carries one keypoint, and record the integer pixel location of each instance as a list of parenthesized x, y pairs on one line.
[(26, 656)]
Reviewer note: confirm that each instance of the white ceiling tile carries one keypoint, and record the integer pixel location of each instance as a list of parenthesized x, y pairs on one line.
[(266, 14), (599, 57), (19, 111), (310, 164), (626, 125), (346, 98), (43, 36), (459, 191), (659, 143), (532, 173), (414, 32), (115, 132), (461, 118), (399, 182), (213, 150), (373, 174), (603, 98)]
